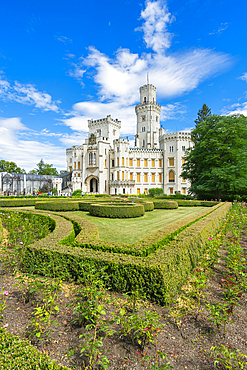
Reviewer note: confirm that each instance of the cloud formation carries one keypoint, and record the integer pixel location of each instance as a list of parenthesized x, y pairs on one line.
[(24, 152), (27, 94)]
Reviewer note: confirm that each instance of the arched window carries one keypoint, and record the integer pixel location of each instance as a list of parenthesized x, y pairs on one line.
[(90, 159), (94, 158), (144, 99), (171, 176)]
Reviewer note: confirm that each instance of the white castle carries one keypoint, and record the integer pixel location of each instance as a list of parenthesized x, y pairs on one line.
[(106, 164)]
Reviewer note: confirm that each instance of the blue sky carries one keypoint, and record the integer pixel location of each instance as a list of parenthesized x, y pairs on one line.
[(64, 62)]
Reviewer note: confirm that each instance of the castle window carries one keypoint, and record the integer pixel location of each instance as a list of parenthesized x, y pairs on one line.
[(138, 191), (138, 162), (144, 99), (183, 148), (160, 162), (146, 191), (138, 177), (183, 180), (171, 190), (171, 149), (99, 132), (171, 161), (79, 175), (131, 162), (70, 169), (118, 175), (145, 162), (153, 177), (105, 151), (160, 177), (153, 162), (94, 158), (112, 163), (105, 163), (143, 118), (70, 160), (117, 161), (183, 160), (122, 161), (171, 176), (145, 177), (131, 175), (126, 161), (112, 176), (105, 185), (143, 129), (118, 149), (123, 191), (122, 175), (74, 165), (143, 142), (183, 190), (153, 100), (157, 118), (126, 176), (79, 165)]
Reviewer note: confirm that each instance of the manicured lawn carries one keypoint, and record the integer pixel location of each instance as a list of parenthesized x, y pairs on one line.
[(133, 229)]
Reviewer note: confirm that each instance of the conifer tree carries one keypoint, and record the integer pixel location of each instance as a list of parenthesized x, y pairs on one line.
[(202, 114)]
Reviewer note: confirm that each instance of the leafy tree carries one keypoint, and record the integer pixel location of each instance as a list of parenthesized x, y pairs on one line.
[(216, 166), (202, 114), (44, 169), (10, 167)]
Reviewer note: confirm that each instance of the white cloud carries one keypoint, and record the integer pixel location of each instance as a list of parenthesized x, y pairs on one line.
[(26, 153), (156, 19), (236, 108), (244, 77), (27, 94), (65, 40), (223, 27), (172, 111)]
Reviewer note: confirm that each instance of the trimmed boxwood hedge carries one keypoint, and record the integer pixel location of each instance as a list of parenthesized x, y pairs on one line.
[(165, 204), (16, 353), (118, 210), (17, 202), (159, 276), (1, 230), (58, 206), (188, 203)]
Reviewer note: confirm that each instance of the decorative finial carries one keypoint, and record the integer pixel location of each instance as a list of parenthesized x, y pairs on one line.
[(147, 79)]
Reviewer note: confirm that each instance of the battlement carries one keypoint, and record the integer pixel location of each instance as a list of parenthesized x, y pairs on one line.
[(102, 121)]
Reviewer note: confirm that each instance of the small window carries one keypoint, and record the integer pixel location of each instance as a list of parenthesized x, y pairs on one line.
[(118, 149), (131, 162), (112, 176), (143, 142), (112, 163), (138, 177), (123, 191), (105, 185), (74, 165), (160, 162), (122, 161), (146, 191), (145, 162), (117, 175), (138, 162), (131, 175), (105, 162), (94, 158), (153, 177), (171, 161), (105, 151), (144, 99), (143, 118), (171, 149), (153, 162), (145, 177), (171, 176), (143, 129), (117, 161), (183, 190), (183, 160), (138, 191), (183, 148), (122, 175), (157, 118), (79, 175), (79, 165), (70, 160), (171, 190), (160, 177)]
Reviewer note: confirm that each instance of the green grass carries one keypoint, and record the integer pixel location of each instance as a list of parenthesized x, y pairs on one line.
[(133, 229)]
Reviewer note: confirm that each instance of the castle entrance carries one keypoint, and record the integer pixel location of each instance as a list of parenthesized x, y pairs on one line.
[(93, 186)]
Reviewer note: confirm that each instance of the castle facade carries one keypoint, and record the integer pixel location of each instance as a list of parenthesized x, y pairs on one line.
[(106, 163)]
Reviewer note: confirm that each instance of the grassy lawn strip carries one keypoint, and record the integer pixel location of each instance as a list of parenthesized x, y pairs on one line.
[(131, 230)]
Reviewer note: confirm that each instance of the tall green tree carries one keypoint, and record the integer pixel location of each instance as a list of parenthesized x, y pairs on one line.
[(203, 113), (217, 165), (10, 167), (44, 169)]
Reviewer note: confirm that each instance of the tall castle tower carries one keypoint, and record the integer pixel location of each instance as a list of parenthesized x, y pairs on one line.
[(148, 118)]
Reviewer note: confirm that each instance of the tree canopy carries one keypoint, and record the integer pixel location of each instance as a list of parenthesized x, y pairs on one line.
[(217, 165), (44, 169), (203, 114), (11, 167)]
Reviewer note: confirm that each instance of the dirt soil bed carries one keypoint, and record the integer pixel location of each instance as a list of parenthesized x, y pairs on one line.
[(186, 348)]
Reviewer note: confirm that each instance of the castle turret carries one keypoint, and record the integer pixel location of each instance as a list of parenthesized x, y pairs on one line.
[(148, 117)]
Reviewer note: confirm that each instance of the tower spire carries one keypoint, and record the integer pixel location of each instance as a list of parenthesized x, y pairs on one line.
[(147, 79)]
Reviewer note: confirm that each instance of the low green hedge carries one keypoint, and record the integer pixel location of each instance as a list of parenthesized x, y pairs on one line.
[(118, 210), (188, 203), (165, 204), (17, 202), (58, 206), (16, 353), (1, 230), (159, 275)]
